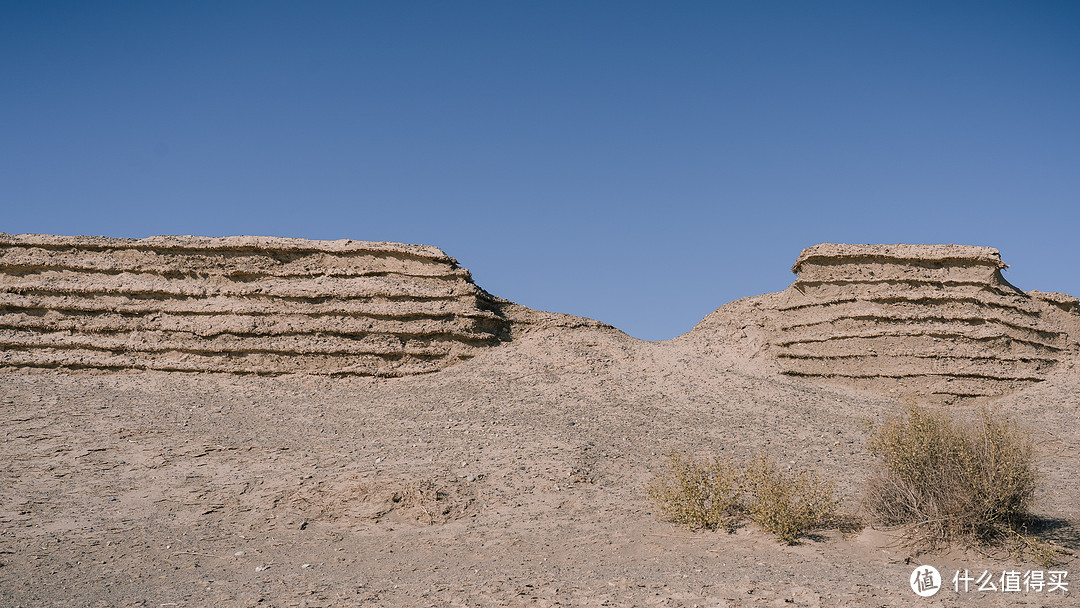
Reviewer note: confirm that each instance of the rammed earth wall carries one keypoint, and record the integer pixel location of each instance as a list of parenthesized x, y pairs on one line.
[(933, 320), (238, 304)]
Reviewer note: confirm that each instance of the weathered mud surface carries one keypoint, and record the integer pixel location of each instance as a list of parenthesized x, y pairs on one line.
[(934, 322), (238, 304)]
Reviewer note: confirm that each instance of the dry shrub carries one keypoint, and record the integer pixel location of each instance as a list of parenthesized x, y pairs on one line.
[(788, 504), (697, 493), (952, 481), (714, 493), (1046, 554)]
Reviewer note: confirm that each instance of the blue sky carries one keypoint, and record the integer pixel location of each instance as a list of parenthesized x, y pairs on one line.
[(641, 163)]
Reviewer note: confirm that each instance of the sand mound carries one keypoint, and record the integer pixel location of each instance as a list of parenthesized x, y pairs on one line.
[(425, 501), (238, 304)]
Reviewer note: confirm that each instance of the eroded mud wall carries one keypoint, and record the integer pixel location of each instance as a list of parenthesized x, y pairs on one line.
[(931, 320), (238, 304)]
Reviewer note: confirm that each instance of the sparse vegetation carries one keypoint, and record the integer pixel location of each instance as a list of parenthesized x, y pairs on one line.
[(697, 493), (944, 480), (788, 504), (1046, 554), (950, 481), (714, 493)]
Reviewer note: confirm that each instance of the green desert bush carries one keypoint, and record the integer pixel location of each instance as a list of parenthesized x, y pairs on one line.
[(948, 480), (714, 493)]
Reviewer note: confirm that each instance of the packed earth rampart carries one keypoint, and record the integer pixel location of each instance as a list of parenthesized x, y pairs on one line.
[(238, 304)]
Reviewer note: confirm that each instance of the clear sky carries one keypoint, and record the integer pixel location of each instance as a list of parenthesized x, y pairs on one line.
[(641, 163)]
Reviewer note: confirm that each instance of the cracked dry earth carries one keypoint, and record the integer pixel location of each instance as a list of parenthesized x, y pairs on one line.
[(512, 479)]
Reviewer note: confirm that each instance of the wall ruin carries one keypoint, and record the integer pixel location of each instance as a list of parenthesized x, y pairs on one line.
[(937, 321), (238, 304)]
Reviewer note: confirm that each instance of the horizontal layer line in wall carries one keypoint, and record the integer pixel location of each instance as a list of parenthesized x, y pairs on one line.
[(185, 272), (1011, 303), (202, 347), (85, 310), (907, 313), (354, 287), (920, 345), (202, 246), (912, 366), (854, 254), (433, 333), (258, 363), (168, 293), (942, 334), (884, 319)]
